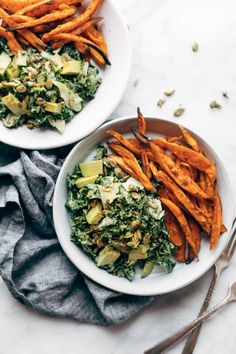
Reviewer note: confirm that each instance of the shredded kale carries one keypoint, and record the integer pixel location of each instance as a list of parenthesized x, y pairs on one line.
[(37, 83), (133, 220)]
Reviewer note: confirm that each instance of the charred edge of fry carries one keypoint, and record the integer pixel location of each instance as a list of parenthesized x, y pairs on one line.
[(103, 55)]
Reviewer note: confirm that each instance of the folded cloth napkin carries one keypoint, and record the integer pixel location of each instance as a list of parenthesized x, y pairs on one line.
[(32, 263)]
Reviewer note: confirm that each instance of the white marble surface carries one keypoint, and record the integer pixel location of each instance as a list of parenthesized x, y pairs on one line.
[(162, 35)]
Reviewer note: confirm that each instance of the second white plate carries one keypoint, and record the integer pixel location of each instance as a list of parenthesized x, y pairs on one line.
[(109, 94), (156, 283)]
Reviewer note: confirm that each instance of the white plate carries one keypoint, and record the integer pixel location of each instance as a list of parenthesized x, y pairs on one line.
[(106, 99), (156, 283)]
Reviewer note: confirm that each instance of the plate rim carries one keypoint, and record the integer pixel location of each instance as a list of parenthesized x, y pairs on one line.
[(107, 114), (120, 288)]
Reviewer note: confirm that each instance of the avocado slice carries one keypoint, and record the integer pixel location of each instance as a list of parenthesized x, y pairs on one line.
[(12, 73), (21, 59), (72, 67), (5, 60), (147, 269), (83, 181), (91, 168), (53, 107), (138, 253), (107, 256), (12, 103), (95, 214)]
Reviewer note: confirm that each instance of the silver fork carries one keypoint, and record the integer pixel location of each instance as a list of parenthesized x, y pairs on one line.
[(222, 263), (166, 343)]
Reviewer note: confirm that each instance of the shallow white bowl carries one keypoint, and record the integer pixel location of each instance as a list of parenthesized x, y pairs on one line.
[(109, 94), (156, 283)]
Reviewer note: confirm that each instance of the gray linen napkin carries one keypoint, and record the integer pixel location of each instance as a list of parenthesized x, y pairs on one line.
[(32, 263)]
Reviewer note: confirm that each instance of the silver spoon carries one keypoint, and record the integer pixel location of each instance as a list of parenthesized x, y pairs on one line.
[(176, 336)]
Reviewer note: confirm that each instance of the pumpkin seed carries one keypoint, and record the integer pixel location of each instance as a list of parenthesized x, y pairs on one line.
[(215, 104)]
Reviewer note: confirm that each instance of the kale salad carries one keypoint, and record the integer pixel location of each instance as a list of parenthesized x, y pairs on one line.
[(115, 221), (44, 89)]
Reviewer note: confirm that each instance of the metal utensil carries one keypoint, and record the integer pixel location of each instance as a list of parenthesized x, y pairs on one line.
[(222, 263), (173, 338)]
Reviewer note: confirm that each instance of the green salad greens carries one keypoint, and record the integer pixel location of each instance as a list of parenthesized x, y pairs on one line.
[(116, 221), (44, 89)]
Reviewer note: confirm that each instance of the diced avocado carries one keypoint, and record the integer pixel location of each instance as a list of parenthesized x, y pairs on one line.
[(21, 59), (107, 256), (72, 67), (13, 73), (38, 89), (53, 107), (83, 181), (4, 62), (12, 103), (91, 168), (95, 214), (147, 269), (57, 62), (138, 253)]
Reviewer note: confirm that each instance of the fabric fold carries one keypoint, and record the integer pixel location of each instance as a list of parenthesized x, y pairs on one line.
[(32, 263)]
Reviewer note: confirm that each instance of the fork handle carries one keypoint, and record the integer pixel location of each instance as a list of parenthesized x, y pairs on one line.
[(192, 339), (176, 336)]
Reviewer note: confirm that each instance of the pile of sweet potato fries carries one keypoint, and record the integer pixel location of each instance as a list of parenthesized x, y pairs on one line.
[(188, 184), (55, 22)]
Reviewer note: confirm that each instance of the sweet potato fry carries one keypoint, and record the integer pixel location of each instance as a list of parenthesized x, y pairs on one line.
[(168, 165), (174, 139), (97, 57), (181, 197), (126, 143), (190, 140), (196, 236), (20, 18), (223, 229), (217, 221), (180, 254), (28, 35), (79, 40), (174, 233), (12, 43), (193, 158), (45, 27), (33, 39), (97, 38), (121, 163), (145, 163), (32, 7), (75, 23), (132, 162), (45, 9), (51, 17), (22, 40), (141, 122), (15, 5), (77, 31), (179, 215)]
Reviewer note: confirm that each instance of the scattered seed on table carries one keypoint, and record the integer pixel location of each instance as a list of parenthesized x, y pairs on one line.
[(169, 93), (195, 47), (178, 112), (214, 105), (225, 94), (161, 102)]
